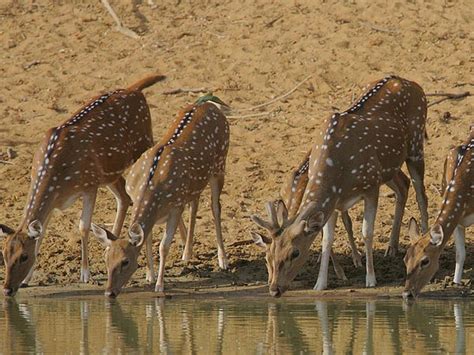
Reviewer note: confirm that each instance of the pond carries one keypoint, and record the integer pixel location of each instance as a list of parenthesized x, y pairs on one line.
[(233, 326)]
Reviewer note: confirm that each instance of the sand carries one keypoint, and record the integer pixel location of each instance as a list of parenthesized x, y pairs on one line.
[(55, 55)]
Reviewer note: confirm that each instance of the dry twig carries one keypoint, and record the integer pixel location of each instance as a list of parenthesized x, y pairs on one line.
[(378, 29), (261, 114), (6, 162), (120, 27), (278, 98), (185, 90), (447, 96)]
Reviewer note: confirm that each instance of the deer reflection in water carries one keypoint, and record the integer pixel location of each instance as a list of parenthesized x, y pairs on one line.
[(169, 326)]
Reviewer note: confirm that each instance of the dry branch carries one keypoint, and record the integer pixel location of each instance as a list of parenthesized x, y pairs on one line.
[(379, 29), (448, 96), (119, 26), (278, 98), (6, 162), (261, 114), (185, 90)]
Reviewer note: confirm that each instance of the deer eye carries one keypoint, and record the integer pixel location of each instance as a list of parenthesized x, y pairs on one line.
[(424, 262), (23, 258), (295, 254), (125, 262)]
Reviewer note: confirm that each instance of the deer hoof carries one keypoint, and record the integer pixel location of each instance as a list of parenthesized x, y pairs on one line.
[(320, 286), (370, 281), (391, 251), (85, 275), (223, 263), (357, 259)]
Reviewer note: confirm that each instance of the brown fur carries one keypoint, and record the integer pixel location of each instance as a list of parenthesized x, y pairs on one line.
[(91, 149), (457, 212)]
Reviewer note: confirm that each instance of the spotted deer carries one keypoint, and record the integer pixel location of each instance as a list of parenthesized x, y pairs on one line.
[(359, 150), (291, 195), (91, 149), (168, 176), (456, 213)]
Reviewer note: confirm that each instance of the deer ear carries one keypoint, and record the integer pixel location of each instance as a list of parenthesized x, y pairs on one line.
[(136, 235), (437, 235), (103, 235), (261, 240), (35, 229), (413, 230), (5, 230)]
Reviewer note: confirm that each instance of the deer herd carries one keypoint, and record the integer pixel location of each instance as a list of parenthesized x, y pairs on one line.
[(356, 152)]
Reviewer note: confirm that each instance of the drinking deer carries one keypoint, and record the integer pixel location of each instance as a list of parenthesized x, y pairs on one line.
[(291, 194), (360, 149), (167, 177), (91, 149), (456, 213)]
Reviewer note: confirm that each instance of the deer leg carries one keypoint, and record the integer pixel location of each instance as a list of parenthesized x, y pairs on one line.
[(400, 185), (416, 168), (150, 271), (459, 240), (356, 257), (217, 183), (171, 226), (328, 239), (123, 201), (182, 231), (370, 211), (88, 203), (188, 248), (338, 269)]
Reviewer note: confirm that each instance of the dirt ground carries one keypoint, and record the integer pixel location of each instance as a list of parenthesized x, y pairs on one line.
[(55, 55)]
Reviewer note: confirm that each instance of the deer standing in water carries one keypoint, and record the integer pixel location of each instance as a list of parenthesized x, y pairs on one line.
[(167, 177), (457, 213), (91, 149), (361, 149)]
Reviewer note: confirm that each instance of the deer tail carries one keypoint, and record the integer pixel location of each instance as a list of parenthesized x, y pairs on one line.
[(146, 82)]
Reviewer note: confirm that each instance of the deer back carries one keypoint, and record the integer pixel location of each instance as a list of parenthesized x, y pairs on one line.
[(177, 169), (458, 187), (365, 145), (91, 148)]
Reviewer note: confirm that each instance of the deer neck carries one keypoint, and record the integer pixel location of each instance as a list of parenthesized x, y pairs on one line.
[(324, 185), (457, 197)]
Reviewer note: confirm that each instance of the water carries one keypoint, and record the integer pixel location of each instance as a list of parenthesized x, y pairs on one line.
[(235, 326)]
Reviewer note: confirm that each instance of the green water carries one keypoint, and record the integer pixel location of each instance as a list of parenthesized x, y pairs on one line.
[(235, 326)]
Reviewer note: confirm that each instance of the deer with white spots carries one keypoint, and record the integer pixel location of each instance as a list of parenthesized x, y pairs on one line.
[(91, 149), (457, 213), (359, 150), (167, 177), (291, 195)]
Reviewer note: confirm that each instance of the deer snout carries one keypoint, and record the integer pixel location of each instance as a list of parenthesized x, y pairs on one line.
[(111, 294), (9, 292), (408, 294), (275, 292)]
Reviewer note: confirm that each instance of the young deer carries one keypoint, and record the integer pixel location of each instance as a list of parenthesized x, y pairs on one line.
[(457, 213), (91, 149), (167, 177), (361, 149), (291, 194)]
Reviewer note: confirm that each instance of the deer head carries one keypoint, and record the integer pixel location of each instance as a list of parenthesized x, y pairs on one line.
[(120, 256), (19, 254), (288, 242), (422, 257)]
